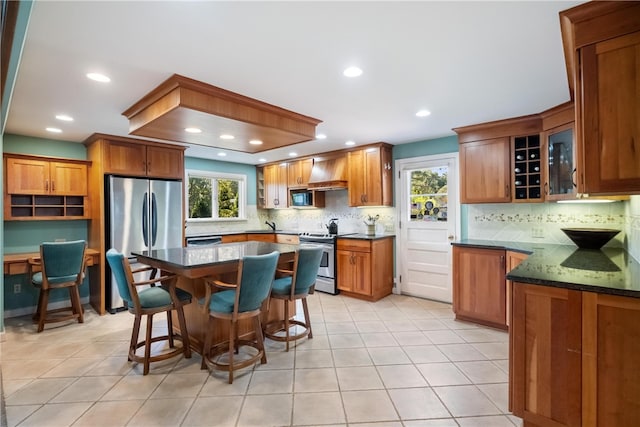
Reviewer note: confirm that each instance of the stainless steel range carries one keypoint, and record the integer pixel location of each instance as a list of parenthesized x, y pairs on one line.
[(326, 281)]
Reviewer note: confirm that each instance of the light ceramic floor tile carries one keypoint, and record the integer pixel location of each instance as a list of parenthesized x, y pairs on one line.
[(111, 366), (351, 357), (483, 335), (491, 421), (220, 387), (313, 359), (134, 387), (439, 374), (411, 338), (365, 316), (493, 350), (498, 393), (370, 326), (11, 386), (378, 339), (359, 378), (442, 422), (482, 372), (280, 359), (86, 389), (466, 401), (318, 342), (56, 415), (461, 352), (503, 364), (444, 337), (388, 356), (317, 409), (368, 406), (27, 368), (401, 376), (109, 414), (346, 341), (400, 325), (415, 403), (266, 410), (267, 382), (161, 412), (430, 324), (341, 328), (224, 410), (425, 354), (180, 385), (315, 380), (16, 414), (38, 391), (73, 367)]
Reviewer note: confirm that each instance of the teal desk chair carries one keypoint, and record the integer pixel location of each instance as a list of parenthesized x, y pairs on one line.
[(147, 302), (62, 266), (242, 300), (297, 284)]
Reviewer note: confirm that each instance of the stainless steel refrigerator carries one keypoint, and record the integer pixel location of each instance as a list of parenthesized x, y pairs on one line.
[(143, 214)]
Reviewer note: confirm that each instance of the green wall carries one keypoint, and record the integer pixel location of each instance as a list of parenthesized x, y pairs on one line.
[(226, 167)]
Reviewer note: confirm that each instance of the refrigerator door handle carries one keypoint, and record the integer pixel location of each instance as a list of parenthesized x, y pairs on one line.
[(145, 219), (154, 219)]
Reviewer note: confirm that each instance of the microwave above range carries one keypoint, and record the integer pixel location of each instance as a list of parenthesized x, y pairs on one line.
[(306, 198)]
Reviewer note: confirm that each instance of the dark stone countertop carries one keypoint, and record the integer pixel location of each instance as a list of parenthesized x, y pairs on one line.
[(608, 270)]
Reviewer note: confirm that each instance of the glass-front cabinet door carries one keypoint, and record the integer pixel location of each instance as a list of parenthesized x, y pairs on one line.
[(561, 164)]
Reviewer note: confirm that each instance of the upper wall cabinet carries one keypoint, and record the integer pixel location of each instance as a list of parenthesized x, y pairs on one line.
[(275, 186), (139, 159), (602, 49), (299, 173), (39, 188), (370, 176), (500, 161), (560, 152)]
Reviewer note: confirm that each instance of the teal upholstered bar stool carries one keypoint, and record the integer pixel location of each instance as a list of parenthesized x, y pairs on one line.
[(242, 300), (297, 284), (62, 266), (147, 302)]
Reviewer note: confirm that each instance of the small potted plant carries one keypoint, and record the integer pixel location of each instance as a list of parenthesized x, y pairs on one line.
[(370, 222)]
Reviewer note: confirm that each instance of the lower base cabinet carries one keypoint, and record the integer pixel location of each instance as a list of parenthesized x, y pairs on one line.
[(364, 268), (574, 358)]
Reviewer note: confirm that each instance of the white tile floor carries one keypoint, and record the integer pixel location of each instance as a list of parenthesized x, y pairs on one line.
[(401, 361)]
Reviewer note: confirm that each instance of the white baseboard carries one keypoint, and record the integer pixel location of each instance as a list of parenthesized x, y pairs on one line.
[(23, 311)]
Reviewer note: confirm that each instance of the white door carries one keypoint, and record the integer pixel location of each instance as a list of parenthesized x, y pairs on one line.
[(427, 199)]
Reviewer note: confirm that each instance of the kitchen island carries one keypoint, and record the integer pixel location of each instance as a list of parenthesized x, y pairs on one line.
[(194, 264)]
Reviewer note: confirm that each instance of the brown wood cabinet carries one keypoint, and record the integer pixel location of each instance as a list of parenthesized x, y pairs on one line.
[(262, 237), (275, 186), (485, 171), (513, 260), (143, 159), (231, 238), (479, 285), (298, 173), (39, 188), (112, 154), (602, 50), (364, 268), (370, 176), (574, 358)]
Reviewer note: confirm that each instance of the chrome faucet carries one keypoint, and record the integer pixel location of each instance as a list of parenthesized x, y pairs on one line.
[(271, 225)]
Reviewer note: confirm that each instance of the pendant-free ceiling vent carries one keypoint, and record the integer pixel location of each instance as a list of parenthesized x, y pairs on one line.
[(180, 103)]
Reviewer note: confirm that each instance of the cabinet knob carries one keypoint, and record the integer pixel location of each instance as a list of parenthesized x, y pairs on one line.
[(53, 185), (46, 185)]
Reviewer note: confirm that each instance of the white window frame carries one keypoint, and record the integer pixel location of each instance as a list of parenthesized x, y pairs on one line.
[(215, 176)]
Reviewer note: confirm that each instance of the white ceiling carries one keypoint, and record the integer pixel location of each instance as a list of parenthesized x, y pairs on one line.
[(466, 62)]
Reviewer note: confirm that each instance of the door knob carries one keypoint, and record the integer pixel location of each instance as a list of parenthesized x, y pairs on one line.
[(450, 237)]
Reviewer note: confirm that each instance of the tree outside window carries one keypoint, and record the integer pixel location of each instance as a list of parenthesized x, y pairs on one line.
[(216, 196)]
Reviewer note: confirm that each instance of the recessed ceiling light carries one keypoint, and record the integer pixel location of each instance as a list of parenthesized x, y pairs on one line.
[(98, 77), (262, 160), (352, 72), (321, 136), (193, 130), (293, 154), (54, 130), (64, 118), (423, 113), (226, 136), (221, 154), (350, 143), (255, 142)]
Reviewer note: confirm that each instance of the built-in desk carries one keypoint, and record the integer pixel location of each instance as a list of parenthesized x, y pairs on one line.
[(193, 264), (17, 263)]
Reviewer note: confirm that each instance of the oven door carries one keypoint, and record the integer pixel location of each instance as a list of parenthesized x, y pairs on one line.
[(327, 263)]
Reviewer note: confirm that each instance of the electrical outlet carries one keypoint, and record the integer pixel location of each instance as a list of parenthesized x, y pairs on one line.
[(537, 232), (17, 288)]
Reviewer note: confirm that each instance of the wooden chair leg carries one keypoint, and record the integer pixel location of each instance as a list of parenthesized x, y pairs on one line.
[(232, 347), (170, 329), (286, 322), (260, 339), (76, 306), (307, 319), (206, 347), (147, 346), (186, 344), (36, 315), (43, 308), (134, 336)]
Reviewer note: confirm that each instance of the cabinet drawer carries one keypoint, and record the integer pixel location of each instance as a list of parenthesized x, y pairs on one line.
[(354, 245), (290, 239), (234, 238)]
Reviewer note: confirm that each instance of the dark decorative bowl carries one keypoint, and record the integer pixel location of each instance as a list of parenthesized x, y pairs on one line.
[(590, 238)]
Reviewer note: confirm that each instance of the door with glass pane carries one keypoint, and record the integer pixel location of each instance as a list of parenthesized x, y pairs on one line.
[(428, 222)]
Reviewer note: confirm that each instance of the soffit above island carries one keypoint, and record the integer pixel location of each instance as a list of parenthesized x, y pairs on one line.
[(180, 103)]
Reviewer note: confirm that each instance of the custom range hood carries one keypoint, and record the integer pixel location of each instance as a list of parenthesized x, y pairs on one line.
[(180, 103), (329, 174)]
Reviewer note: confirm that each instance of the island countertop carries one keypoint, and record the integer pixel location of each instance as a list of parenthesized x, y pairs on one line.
[(609, 270)]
